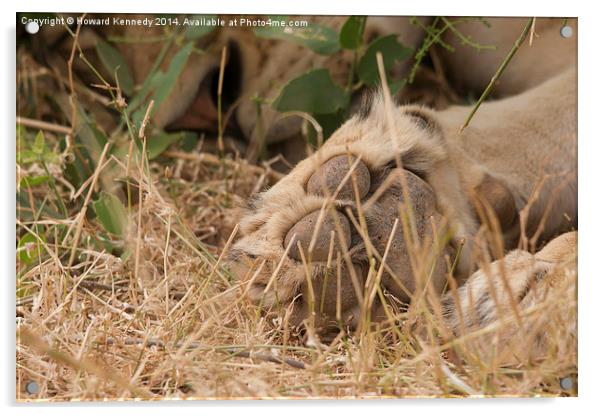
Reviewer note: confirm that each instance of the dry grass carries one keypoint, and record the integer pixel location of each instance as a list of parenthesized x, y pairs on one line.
[(177, 326), (162, 317)]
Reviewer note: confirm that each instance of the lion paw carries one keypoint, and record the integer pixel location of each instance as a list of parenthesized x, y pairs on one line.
[(320, 241)]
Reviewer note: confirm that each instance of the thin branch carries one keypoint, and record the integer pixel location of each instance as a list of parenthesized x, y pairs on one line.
[(220, 83), (464, 38), (43, 125), (73, 94), (84, 209), (499, 71)]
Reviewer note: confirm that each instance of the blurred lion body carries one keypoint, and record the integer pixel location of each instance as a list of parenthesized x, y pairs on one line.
[(512, 173), (518, 157), (260, 67)]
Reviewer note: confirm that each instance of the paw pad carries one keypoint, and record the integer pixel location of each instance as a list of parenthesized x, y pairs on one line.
[(303, 232), (331, 174)]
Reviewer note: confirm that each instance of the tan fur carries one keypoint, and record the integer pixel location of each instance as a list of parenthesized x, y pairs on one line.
[(504, 154), (519, 296), (547, 55), (266, 65), (517, 159)]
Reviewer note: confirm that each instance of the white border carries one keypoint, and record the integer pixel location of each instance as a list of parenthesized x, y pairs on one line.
[(589, 198)]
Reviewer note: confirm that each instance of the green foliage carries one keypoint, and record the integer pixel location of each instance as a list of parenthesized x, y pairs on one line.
[(39, 145), (115, 64), (36, 152), (318, 95), (321, 39), (87, 132), (392, 51), (111, 213), (160, 141), (29, 247), (434, 36), (33, 181), (52, 169), (313, 92), (352, 32), (162, 83)]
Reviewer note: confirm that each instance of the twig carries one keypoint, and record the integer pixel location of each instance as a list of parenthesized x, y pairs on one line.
[(220, 84), (43, 125), (311, 120), (465, 39), (73, 94), (434, 35), (83, 211), (266, 357), (143, 166), (499, 71), (145, 121), (532, 34)]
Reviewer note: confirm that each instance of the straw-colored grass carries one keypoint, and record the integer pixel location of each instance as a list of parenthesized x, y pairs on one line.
[(176, 325)]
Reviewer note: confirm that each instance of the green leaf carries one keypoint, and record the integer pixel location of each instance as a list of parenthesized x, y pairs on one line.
[(113, 61), (38, 152), (25, 209), (321, 39), (33, 181), (50, 157), (104, 241), (163, 83), (26, 157), (147, 90), (42, 209), (313, 92), (194, 32), (173, 72), (158, 143), (189, 142), (38, 144), (29, 248), (392, 52), (86, 131), (330, 122), (111, 213), (352, 32)]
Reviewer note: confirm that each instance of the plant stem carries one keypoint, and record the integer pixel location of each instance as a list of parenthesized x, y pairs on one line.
[(465, 39), (52, 184), (499, 71), (220, 83)]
